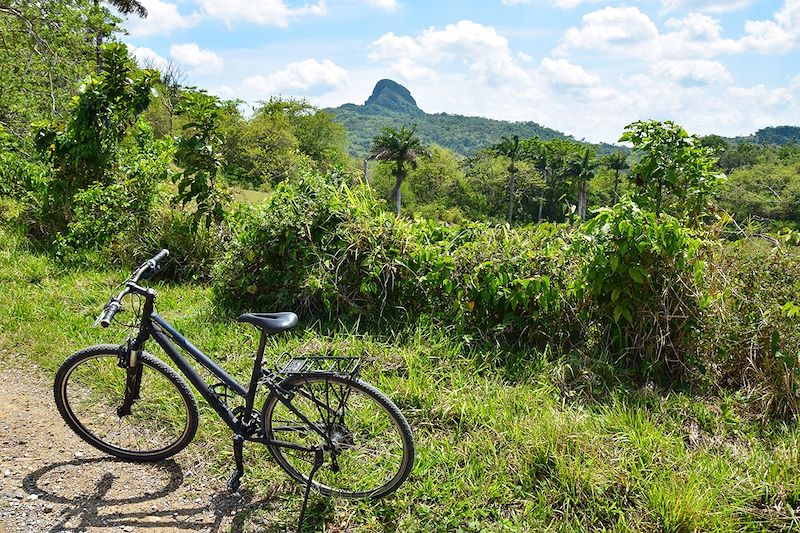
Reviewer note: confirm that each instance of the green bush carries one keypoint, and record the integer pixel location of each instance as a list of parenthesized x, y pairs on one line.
[(193, 250), (750, 336), (640, 286), (102, 213), (321, 248)]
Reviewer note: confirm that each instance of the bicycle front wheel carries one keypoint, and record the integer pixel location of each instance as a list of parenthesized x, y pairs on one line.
[(145, 413), (369, 449)]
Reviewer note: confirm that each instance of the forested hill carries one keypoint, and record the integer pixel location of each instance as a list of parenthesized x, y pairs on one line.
[(391, 104), (777, 135)]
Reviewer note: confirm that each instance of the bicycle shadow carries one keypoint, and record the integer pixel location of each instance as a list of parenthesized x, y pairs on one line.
[(89, 493)]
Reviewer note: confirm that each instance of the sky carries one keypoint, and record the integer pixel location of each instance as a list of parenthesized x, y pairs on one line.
[(585, 67)]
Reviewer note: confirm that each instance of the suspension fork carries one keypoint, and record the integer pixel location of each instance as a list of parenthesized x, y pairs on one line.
[(131, 356)]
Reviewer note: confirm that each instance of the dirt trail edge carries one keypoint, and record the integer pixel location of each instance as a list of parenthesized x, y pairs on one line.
[(50, 481)]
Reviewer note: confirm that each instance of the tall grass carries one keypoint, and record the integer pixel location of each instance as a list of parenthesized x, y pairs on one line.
[(563, 446)]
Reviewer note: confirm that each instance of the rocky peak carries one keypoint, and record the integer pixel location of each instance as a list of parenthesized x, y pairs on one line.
[(391, 95)]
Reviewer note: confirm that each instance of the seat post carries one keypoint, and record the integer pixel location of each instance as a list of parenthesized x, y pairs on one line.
[(256, 375)]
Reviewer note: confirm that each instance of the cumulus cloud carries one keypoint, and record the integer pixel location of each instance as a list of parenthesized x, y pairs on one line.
[(305, 77), (388, 5), (710, 6), (147, 57), (562, 72), (197, 60), (410, 70), (627, 30), (565, 4), (162, 18), (693, 72), (264, 12), (485, 52)]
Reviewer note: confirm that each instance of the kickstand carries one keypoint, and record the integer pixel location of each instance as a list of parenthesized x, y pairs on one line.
[(318, 457), (238, 472)]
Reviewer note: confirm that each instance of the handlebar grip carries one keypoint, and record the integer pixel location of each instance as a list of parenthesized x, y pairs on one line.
[(108, 313), (159, 256)]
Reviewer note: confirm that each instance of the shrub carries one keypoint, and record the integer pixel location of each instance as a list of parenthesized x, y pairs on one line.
[(103, 212), (322, 248), (639, 286), (193, 250), (750, 337)]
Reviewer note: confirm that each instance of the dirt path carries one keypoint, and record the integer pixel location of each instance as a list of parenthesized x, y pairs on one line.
[(50, 481)]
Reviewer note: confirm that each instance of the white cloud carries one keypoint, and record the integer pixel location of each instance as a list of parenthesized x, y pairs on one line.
[(611, 28), (147, 57), (388, 5), (410, 70), (308, 76), (562, 72), (198, 61), (485, 52), (710, 6), (264, 12), (629, 31), (565, 4), (162, 18), (693, 72)]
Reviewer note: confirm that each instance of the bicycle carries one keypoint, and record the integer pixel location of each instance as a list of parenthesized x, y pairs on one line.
[(323, 425)]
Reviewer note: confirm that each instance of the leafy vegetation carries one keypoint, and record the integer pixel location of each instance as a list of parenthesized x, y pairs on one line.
[(580, 340)]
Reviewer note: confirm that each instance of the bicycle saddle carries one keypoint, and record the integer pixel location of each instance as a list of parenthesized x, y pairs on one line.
[(270, 322)]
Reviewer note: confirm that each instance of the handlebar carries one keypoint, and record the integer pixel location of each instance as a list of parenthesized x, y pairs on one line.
[(145, 271)]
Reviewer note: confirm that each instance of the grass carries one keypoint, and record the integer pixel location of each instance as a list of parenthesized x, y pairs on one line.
[(539, 443)]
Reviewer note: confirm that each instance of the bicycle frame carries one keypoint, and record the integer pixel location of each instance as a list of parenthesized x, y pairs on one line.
[(155, 327)]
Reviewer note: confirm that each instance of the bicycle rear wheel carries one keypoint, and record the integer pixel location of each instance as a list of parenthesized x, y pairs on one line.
[(146, 413), (372, 449)]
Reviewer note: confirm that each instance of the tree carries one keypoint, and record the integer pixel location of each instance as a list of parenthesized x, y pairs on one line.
[(45, 50), (675, 173), (400, 147), (126, 7), (85, 148), (616, 162), (582, 168), (198, 152), (509, 147)]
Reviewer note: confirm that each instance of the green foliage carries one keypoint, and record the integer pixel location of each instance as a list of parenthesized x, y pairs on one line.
[(768, 190), (322, 248), (84, 150), (780, 135), (104, 214), (45, 50), (639, 284), (401, 148), (752, 332), (674, 172), (198, 152)]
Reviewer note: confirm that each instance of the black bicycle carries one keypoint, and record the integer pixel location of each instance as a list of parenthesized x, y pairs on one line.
[(324, 426)]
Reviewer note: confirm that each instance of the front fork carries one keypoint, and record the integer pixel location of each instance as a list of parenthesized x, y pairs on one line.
[(133, 378)]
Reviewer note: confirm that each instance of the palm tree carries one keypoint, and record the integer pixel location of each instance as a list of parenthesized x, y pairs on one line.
[(402, 148), (582, 169), (616, 162), (126, 7), (509, 147)]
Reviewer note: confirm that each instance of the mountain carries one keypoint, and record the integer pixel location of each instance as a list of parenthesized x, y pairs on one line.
[(780, 135), (391, 104)]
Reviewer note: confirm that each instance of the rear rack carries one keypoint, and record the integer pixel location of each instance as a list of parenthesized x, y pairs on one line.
[(321, 364)]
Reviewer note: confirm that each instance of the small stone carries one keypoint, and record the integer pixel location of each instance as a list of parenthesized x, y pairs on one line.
[(49, 508), (78, 454), (33, 497), (6, 473)]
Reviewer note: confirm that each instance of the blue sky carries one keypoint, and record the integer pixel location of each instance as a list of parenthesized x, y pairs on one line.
[(586, 67)]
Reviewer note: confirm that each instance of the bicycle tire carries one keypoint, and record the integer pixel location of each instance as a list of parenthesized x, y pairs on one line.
[(92, 380), (275, 428)]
